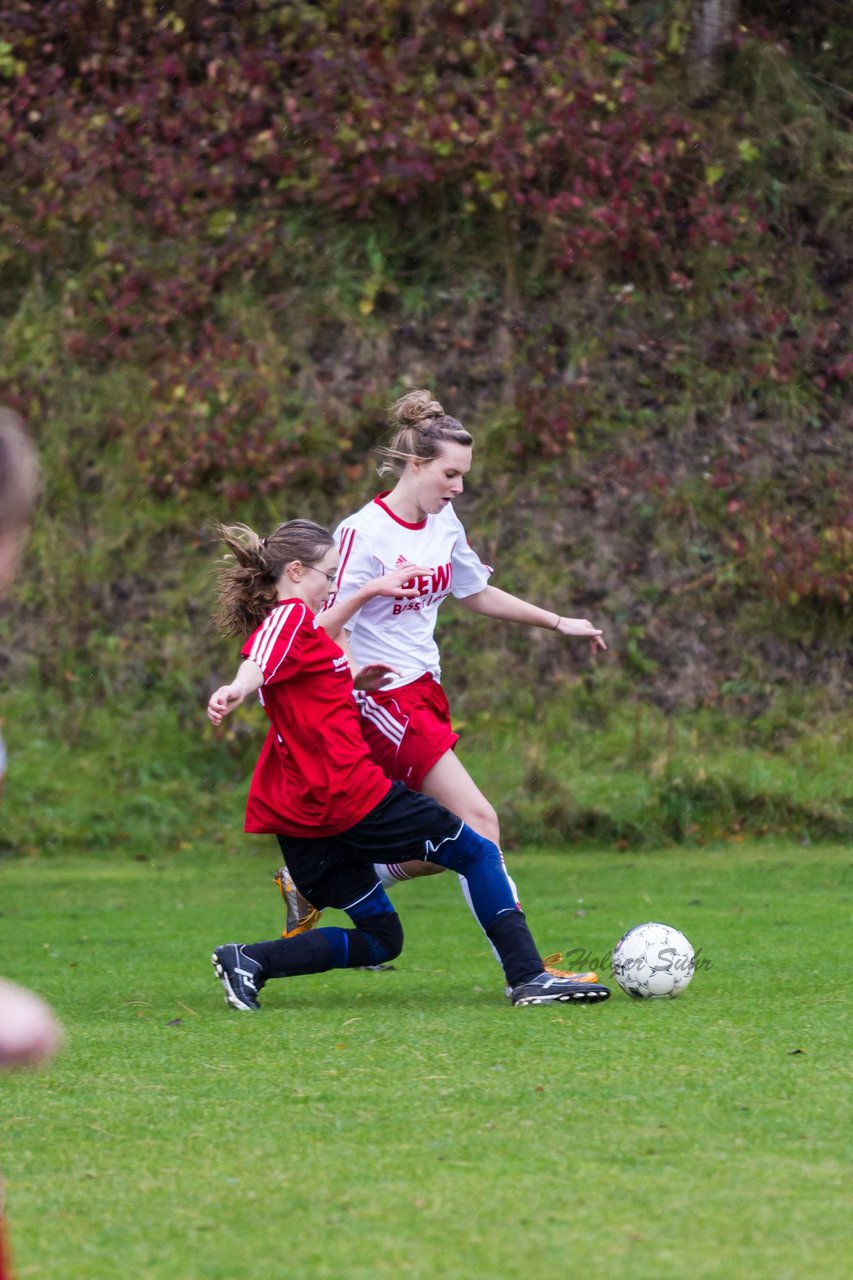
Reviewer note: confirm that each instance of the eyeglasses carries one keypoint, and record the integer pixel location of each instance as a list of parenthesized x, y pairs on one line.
[(330, 577)]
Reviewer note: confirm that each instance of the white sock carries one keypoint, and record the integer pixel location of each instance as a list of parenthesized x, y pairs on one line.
[(389, 873)]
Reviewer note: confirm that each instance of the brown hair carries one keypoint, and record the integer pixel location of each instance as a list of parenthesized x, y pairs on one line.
[(248, 576), (421, 429), (19, 474)]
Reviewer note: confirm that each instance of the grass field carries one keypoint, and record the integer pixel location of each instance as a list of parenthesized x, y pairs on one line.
[(412, 1123)]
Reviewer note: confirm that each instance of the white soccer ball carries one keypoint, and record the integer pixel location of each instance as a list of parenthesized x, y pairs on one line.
[(653, 961)]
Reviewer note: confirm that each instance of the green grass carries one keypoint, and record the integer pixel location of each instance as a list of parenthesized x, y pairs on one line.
[(635, 776), (586, 770), (413, 1123)]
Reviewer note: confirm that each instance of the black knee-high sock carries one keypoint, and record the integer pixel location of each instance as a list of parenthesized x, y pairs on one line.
[(377, 939), (289, 957), (511, 938)]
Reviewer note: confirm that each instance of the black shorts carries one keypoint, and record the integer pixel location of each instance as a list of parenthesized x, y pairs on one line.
[(337, 871)]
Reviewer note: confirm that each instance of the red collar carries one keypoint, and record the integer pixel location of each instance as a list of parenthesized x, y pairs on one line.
[(407, 524)]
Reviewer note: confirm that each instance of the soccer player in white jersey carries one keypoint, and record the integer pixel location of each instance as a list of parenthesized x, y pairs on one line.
[(407, 722)]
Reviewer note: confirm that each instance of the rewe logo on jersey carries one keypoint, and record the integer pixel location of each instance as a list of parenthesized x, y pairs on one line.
[(441, 577), (437, 580)]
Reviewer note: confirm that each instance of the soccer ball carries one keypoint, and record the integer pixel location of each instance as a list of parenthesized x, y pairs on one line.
[(653, 960)]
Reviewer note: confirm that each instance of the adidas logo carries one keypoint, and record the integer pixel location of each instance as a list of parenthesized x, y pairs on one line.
[(401, 562)]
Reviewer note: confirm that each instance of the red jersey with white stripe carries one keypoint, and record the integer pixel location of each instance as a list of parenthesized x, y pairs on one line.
[(401, 632), (314, 776)]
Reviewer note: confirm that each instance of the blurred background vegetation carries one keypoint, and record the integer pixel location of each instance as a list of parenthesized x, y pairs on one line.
[(614, 238)]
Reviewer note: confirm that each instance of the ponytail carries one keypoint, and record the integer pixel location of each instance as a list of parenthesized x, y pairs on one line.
[(248, 576)]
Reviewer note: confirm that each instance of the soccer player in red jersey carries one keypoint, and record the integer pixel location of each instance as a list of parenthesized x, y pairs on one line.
[(407, 722), (333, 810)]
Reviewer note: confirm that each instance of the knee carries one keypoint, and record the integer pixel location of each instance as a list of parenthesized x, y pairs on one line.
[(467, 850), (485, 822), (384, 936)]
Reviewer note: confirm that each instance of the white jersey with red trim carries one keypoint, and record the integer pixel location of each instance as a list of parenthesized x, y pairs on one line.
[(401, 632)]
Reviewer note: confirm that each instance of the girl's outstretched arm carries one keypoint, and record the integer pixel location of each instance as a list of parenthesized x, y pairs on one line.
[(494, 603), (402, 584), (248, 679)]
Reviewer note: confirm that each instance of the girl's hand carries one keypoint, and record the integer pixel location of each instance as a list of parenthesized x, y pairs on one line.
[(402, 584), (580, 627), (374, 676), (224, 700)]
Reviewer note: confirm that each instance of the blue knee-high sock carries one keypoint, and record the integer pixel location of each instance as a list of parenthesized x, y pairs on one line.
[(480, 862), (493, 898)]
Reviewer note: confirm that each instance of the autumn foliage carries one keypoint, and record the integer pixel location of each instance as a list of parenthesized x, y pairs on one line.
[(158, 157), (163, 147)]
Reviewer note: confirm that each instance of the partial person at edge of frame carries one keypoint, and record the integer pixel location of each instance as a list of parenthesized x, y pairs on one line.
[(29, 1032)]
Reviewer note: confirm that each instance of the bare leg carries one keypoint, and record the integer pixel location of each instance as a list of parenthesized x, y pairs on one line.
[(450, 783)]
